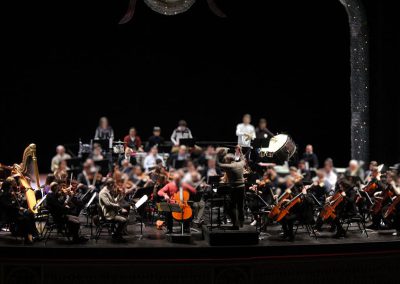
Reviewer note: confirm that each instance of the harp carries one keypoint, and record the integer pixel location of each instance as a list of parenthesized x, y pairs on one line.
[(22, 169)]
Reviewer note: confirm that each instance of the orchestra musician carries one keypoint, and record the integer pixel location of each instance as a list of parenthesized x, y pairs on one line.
[(155, 139), (345, 208), (299, 212), (181, 132), (168, 191), (234, 171), (129, 155), (132, 140), (15, 213), (109, 199), (150, 160), (60, 156), (245, 133), (104, 130), (55, 203)]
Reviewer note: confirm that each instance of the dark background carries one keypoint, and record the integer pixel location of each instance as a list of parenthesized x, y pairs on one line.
[(68, 63)]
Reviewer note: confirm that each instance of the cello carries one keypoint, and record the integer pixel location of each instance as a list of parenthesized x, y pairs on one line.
[(392, 208), (380, 200), (329, 209), (181, 198), (276, 210)]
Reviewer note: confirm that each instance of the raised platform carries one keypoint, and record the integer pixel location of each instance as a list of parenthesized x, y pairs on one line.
[(153, 259), (225, 236)]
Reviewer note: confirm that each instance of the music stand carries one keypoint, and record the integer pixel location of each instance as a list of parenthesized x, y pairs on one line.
[(104, 166), (104, 143), (75, 165), (172, 207), (189, 142), (214, 182), (140, 194)]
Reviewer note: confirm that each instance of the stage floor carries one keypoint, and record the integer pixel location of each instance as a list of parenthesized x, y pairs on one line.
[(270, 244), (152, 259)]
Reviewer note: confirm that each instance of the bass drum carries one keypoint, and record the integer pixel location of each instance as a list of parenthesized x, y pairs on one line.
[(281, 148)]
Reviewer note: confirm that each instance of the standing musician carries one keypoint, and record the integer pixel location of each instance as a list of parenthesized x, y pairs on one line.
[(111, 209), (168, 192), (104, 130), (245, 133), (234, 174), (181, 132)]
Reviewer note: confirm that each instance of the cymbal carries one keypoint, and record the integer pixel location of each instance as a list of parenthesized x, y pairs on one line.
[(119, 142)]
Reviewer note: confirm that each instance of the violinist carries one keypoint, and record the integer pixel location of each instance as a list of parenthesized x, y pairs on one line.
[(89, 180), (111, 209), (55, 203), (15, 212), (168, 191), (129, 155)]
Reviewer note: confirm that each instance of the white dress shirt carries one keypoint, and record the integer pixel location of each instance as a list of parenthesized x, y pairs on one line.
[(243, 129)]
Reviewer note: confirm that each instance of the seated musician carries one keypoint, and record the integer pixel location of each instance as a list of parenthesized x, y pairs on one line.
[(111, 209), (330, 173), (211, 169), (15, 213), (132, 140), (61, 156), (86, 180), (321, 188), (302, 169), (128, 155), (383, 196), (178, 160), (345, 209), (168, 192), (310, 158), (193, 177), (150, 160), (55, 203), (298, 212), (368, 174), (97, 155)]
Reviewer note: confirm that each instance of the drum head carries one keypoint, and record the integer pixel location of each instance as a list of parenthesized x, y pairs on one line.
[(170, 7)]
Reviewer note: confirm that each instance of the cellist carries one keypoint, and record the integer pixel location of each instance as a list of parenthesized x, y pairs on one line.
[(345, 208), (168, 191)]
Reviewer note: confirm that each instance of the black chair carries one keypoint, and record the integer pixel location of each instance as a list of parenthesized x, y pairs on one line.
[(51, 225), (102, 223), (358, 219), (309, 228)]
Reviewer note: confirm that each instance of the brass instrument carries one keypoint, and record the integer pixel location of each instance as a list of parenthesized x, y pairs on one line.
[(21, 170)]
